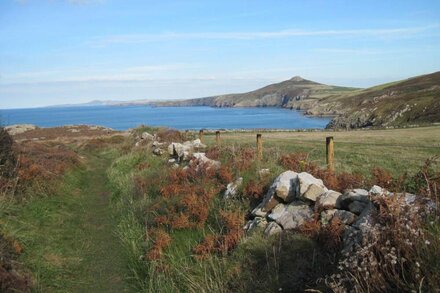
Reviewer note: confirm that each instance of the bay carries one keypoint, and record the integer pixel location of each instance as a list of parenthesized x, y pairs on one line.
[(125, 117)]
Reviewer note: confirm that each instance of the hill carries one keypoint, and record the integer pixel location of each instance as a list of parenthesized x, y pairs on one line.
[(295, 93), (412, 101)]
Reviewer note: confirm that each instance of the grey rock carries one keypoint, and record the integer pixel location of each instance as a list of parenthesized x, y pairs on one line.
[(272, 229), (350, 196), (329, 199), (158, 151), (292, 215), (327, 216), (285, 186), (346, 217), (357, 207), (232, 188), (207, 162), (257, 224)]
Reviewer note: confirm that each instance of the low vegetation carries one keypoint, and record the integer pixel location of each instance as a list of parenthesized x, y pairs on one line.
[(177, 233)]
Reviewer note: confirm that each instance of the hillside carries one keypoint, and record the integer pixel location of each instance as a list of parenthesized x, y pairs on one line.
[(295, 93), (412, 101)]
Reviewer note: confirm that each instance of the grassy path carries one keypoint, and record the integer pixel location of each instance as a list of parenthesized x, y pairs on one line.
[(68, 239)]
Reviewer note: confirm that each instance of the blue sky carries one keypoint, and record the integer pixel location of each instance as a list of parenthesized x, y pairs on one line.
[(73, 51)]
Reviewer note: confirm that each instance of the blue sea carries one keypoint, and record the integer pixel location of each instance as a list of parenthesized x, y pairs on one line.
[(125, 117)]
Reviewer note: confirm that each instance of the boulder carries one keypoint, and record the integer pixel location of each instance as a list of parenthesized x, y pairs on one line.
[(257, 224), (376, 190), (197, 144), (232, 188), (327, 216), (291, 216), (285, 186), (157, 144), (346, 217), (202, 158), (283, 189), (148, 136), (350, 196), (365, 221), (329, 199), (309, 187), (357, 207), (272, 228)]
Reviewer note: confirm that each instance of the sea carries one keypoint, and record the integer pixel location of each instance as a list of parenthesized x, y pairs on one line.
[(192, 118)]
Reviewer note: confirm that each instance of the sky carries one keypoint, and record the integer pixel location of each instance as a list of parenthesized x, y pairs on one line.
[(74, 51)]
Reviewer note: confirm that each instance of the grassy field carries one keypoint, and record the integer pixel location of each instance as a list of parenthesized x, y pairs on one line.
[(398, 150), (97, 232), (68, 238)]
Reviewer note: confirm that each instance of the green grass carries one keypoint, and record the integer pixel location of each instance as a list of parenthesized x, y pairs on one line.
[(397, 150), (68, 238)]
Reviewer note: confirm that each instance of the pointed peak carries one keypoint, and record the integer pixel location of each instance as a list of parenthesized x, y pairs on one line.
[(297, 78)]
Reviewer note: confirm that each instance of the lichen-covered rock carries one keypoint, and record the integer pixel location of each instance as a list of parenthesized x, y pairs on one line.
[(232, 188), (328, 199), (291, 216), (310, 187), (272, 228)]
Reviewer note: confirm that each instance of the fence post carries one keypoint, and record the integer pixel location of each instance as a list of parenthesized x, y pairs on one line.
[(330, 153), (217, 138), (259, 147), (201, 135)]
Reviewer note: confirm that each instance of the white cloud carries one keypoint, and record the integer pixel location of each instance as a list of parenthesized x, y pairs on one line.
[(167, 36)]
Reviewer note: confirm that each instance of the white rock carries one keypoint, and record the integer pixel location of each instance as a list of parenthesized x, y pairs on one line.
[(376, 190), (258, 223), (329, 199), (147, 136), (310, 187), (232, 188), (202, 158)]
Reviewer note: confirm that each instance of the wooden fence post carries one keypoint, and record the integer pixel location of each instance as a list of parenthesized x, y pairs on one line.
[(217, 138), (259, 147), (201, 135), (330, 153)]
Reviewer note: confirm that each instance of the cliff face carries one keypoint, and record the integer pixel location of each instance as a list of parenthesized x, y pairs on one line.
[(412, 101)]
